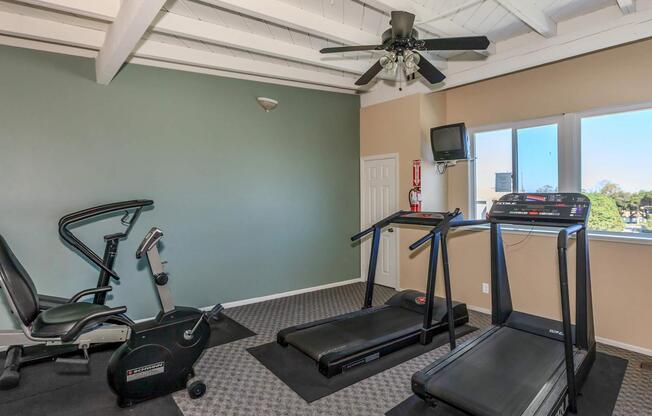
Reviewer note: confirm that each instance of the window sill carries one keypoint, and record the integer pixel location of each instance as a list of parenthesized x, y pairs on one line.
[(596, 236)]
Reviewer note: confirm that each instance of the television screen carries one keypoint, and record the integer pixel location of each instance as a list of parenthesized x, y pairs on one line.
[(449, 142)]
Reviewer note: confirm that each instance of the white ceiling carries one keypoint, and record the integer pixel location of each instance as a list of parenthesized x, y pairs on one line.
[(278, 40)]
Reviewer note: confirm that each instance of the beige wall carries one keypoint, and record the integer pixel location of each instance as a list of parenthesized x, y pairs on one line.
[(394, 127), (621, 272), (398, 127), (615, 76)]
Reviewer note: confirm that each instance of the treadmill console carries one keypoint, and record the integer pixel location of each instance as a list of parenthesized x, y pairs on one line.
[(432, 219), (553, 208)]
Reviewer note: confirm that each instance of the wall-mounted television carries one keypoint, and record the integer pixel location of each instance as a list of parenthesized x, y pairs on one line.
[(449, 142)]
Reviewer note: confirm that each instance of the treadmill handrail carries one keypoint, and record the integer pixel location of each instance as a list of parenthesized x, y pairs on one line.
[(441, 228), (562, 247), (566, 233), (468, 223), (382, 223), (424, 239), (67, 220)]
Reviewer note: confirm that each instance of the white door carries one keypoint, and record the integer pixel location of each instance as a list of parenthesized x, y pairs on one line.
[(379, 200)]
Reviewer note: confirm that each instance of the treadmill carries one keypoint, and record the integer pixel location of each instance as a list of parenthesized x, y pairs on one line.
[(523, 364), (342, 342)]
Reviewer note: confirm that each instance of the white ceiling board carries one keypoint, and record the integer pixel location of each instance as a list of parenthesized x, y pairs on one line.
[(281, 34), (291, 32), (334, 9), (283, 14), (41, 29), (507, 26), (561, 10), (314, 6), (478, 15), (103, 10), (494, 14), (69, 18), (627, 6), (374, 21), (126, 31), (187, 28), (353, 12), (532, 15)]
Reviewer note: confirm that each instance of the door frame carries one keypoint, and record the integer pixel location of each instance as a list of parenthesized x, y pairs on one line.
[(369, 158)]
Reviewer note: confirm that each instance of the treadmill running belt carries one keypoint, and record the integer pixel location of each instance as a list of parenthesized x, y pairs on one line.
[(520, 365), (347, 333)]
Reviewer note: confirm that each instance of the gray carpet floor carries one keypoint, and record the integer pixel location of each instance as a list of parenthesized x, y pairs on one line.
[(239, 385)]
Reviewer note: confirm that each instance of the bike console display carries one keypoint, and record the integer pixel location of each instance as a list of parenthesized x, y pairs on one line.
[(553, 209)]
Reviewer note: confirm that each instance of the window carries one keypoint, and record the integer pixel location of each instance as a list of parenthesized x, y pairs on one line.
[(605, 154), (616, 170), (493, 168), (537, 159), (530, 151)]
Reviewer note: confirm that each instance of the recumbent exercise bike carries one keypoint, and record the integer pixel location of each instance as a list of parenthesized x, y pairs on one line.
[(157, 355), (130, 212)]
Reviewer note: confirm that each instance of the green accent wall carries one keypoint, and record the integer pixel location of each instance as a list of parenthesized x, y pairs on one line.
[(251, 203)]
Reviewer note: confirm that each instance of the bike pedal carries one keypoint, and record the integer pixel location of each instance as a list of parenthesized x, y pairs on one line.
[(215, 312), (72, 365)]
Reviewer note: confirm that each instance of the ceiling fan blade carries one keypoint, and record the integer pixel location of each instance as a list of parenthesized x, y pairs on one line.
[(402, 24), (429, 72), (468, 43), (351, 48), (370, 74)]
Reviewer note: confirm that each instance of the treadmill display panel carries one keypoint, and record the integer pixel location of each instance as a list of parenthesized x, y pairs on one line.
[(554, 208), (421, 218)]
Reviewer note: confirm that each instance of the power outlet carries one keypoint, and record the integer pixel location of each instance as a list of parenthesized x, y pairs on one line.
[(485, 288)]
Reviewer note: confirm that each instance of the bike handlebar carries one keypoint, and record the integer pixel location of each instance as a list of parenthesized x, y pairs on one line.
[(67, 220)]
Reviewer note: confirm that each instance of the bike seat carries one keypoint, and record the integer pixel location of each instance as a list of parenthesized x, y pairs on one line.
[(60, 319)]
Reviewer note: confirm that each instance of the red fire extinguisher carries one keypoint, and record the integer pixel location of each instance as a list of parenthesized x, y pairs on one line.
[(415, 193)]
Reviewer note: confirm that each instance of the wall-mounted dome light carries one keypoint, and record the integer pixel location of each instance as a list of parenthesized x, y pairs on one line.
[(268, 104)]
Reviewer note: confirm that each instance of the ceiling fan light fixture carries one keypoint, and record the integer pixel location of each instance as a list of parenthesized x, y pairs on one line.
[(400, 41), (388, 62), (411, 63)]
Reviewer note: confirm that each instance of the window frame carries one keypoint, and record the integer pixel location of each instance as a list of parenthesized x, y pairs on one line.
[(514, 127), (569, 162)]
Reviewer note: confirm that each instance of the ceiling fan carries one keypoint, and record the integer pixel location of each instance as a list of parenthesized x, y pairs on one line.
[(402, 42)]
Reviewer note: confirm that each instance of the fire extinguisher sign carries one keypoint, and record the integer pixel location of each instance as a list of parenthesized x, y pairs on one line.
[(415, 192), (416, 173)]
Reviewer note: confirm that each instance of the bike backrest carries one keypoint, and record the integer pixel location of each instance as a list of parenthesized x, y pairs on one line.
[(18, 285)]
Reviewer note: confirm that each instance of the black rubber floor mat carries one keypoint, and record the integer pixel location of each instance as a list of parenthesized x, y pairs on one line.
[(300, 373), (225, 330), (43, 391), (597, 398)]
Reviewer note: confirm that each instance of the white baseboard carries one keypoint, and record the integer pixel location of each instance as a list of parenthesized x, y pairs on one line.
[(227, 305), (263, 298), (243, 302), (606, 341), (478, 309), (629, 347)]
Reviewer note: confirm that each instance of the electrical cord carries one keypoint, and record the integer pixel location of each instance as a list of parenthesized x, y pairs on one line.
[(529, 233)]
